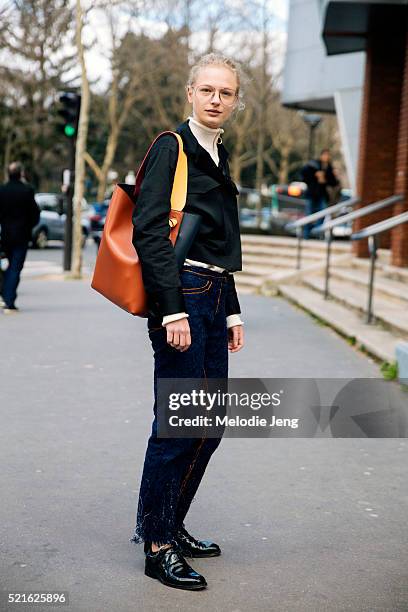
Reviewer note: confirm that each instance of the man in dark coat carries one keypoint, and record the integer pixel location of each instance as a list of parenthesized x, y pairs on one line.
[(19, 213), (318, 175)]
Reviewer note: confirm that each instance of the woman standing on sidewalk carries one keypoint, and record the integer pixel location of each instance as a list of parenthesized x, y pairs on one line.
[(194, 314)]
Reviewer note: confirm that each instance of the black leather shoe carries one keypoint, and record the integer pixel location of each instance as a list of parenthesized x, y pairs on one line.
[(169, 566), (190, 547)]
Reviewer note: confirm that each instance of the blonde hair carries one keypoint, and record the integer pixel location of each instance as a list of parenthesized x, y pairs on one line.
[(218, 59)]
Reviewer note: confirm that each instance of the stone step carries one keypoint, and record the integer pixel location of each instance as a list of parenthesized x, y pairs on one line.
[(244, 289), (265, 251), (395, 273), (360, 264), (248, 283), (271, 262), (248, 279), (382, 285), (391, 313), (376, 341), (269, 267), (389, 271), (283, 241), (258, 274), (383, 256), (257, 269), (252, 252)]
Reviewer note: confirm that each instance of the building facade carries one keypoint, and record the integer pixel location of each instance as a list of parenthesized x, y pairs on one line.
[(375, 130)]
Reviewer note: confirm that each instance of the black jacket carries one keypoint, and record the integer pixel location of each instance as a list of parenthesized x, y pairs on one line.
[(19, 213), (316, 190), (210, 193)]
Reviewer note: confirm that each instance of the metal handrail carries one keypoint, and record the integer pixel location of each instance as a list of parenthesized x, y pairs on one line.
[(321, 213), (300, 223), (290, 200), (356, 214), (371, 232), (381, 226), (360, 212)]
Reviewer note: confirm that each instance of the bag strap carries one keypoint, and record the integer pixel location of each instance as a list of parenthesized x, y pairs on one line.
[(179, 191)]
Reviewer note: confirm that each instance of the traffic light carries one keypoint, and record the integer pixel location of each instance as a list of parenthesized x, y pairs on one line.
[(69, 108), (69, 111)]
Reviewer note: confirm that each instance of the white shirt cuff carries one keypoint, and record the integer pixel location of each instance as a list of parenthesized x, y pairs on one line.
[(174, 317), (234, 319)]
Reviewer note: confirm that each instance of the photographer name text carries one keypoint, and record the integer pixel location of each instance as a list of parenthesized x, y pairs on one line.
[(236, 421)]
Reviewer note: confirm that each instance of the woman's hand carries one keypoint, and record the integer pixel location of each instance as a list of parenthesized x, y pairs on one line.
[(178, 334), (235, 338)]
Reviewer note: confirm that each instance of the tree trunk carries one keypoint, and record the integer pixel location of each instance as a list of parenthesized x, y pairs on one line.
[(7, 153), (262, 119), (110, 151), (284, 164), (79, 187)]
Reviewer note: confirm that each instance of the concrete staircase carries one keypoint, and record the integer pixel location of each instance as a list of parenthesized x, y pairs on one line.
[(345, 309), (273, 258), (269, 268)]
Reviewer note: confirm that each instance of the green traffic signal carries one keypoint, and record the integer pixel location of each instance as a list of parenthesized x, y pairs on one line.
[(69, 131), (69, 110)]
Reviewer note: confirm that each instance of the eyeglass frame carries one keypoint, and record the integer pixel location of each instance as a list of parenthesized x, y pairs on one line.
[(219, 92)]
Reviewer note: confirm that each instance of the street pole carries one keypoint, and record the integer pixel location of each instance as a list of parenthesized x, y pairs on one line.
[(69, 208), (311, 140), (69, 109), (312, 120)]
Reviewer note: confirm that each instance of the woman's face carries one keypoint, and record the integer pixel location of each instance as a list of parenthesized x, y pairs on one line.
[(210, 109)]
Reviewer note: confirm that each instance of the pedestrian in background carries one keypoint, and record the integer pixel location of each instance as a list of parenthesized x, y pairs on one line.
[(319, 177), (194, 318), (19, 213), (334, 191)]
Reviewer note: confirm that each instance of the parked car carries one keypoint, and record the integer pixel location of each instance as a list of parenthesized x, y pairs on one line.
[(296, 189), (97, 219), (276, 209), (290, 197), (287, 203), (51, 225), (249, 201)]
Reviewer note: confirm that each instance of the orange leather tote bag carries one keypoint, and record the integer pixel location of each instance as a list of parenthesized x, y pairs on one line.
[(118, 273)]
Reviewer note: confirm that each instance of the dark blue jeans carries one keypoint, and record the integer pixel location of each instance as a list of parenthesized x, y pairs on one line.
[(173, 467), (312, 206), (16, 256)]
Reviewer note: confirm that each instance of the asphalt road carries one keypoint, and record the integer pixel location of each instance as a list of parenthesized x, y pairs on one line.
[(304, 524)]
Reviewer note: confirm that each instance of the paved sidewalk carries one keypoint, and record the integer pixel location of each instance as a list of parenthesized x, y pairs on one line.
[(305, 524)]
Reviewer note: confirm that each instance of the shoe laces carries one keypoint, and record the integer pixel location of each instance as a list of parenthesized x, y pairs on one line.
[(176, 560), (183, 534)]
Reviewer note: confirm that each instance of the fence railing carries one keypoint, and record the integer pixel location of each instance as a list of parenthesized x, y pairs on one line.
[(287, 199), (356, 214), (327, 228), (299, 224), (371, 232)]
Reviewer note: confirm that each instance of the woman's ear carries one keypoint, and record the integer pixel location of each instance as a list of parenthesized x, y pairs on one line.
[(189, 93)]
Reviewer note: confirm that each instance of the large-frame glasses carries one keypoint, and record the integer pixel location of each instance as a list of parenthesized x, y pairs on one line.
[(206, 92)]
